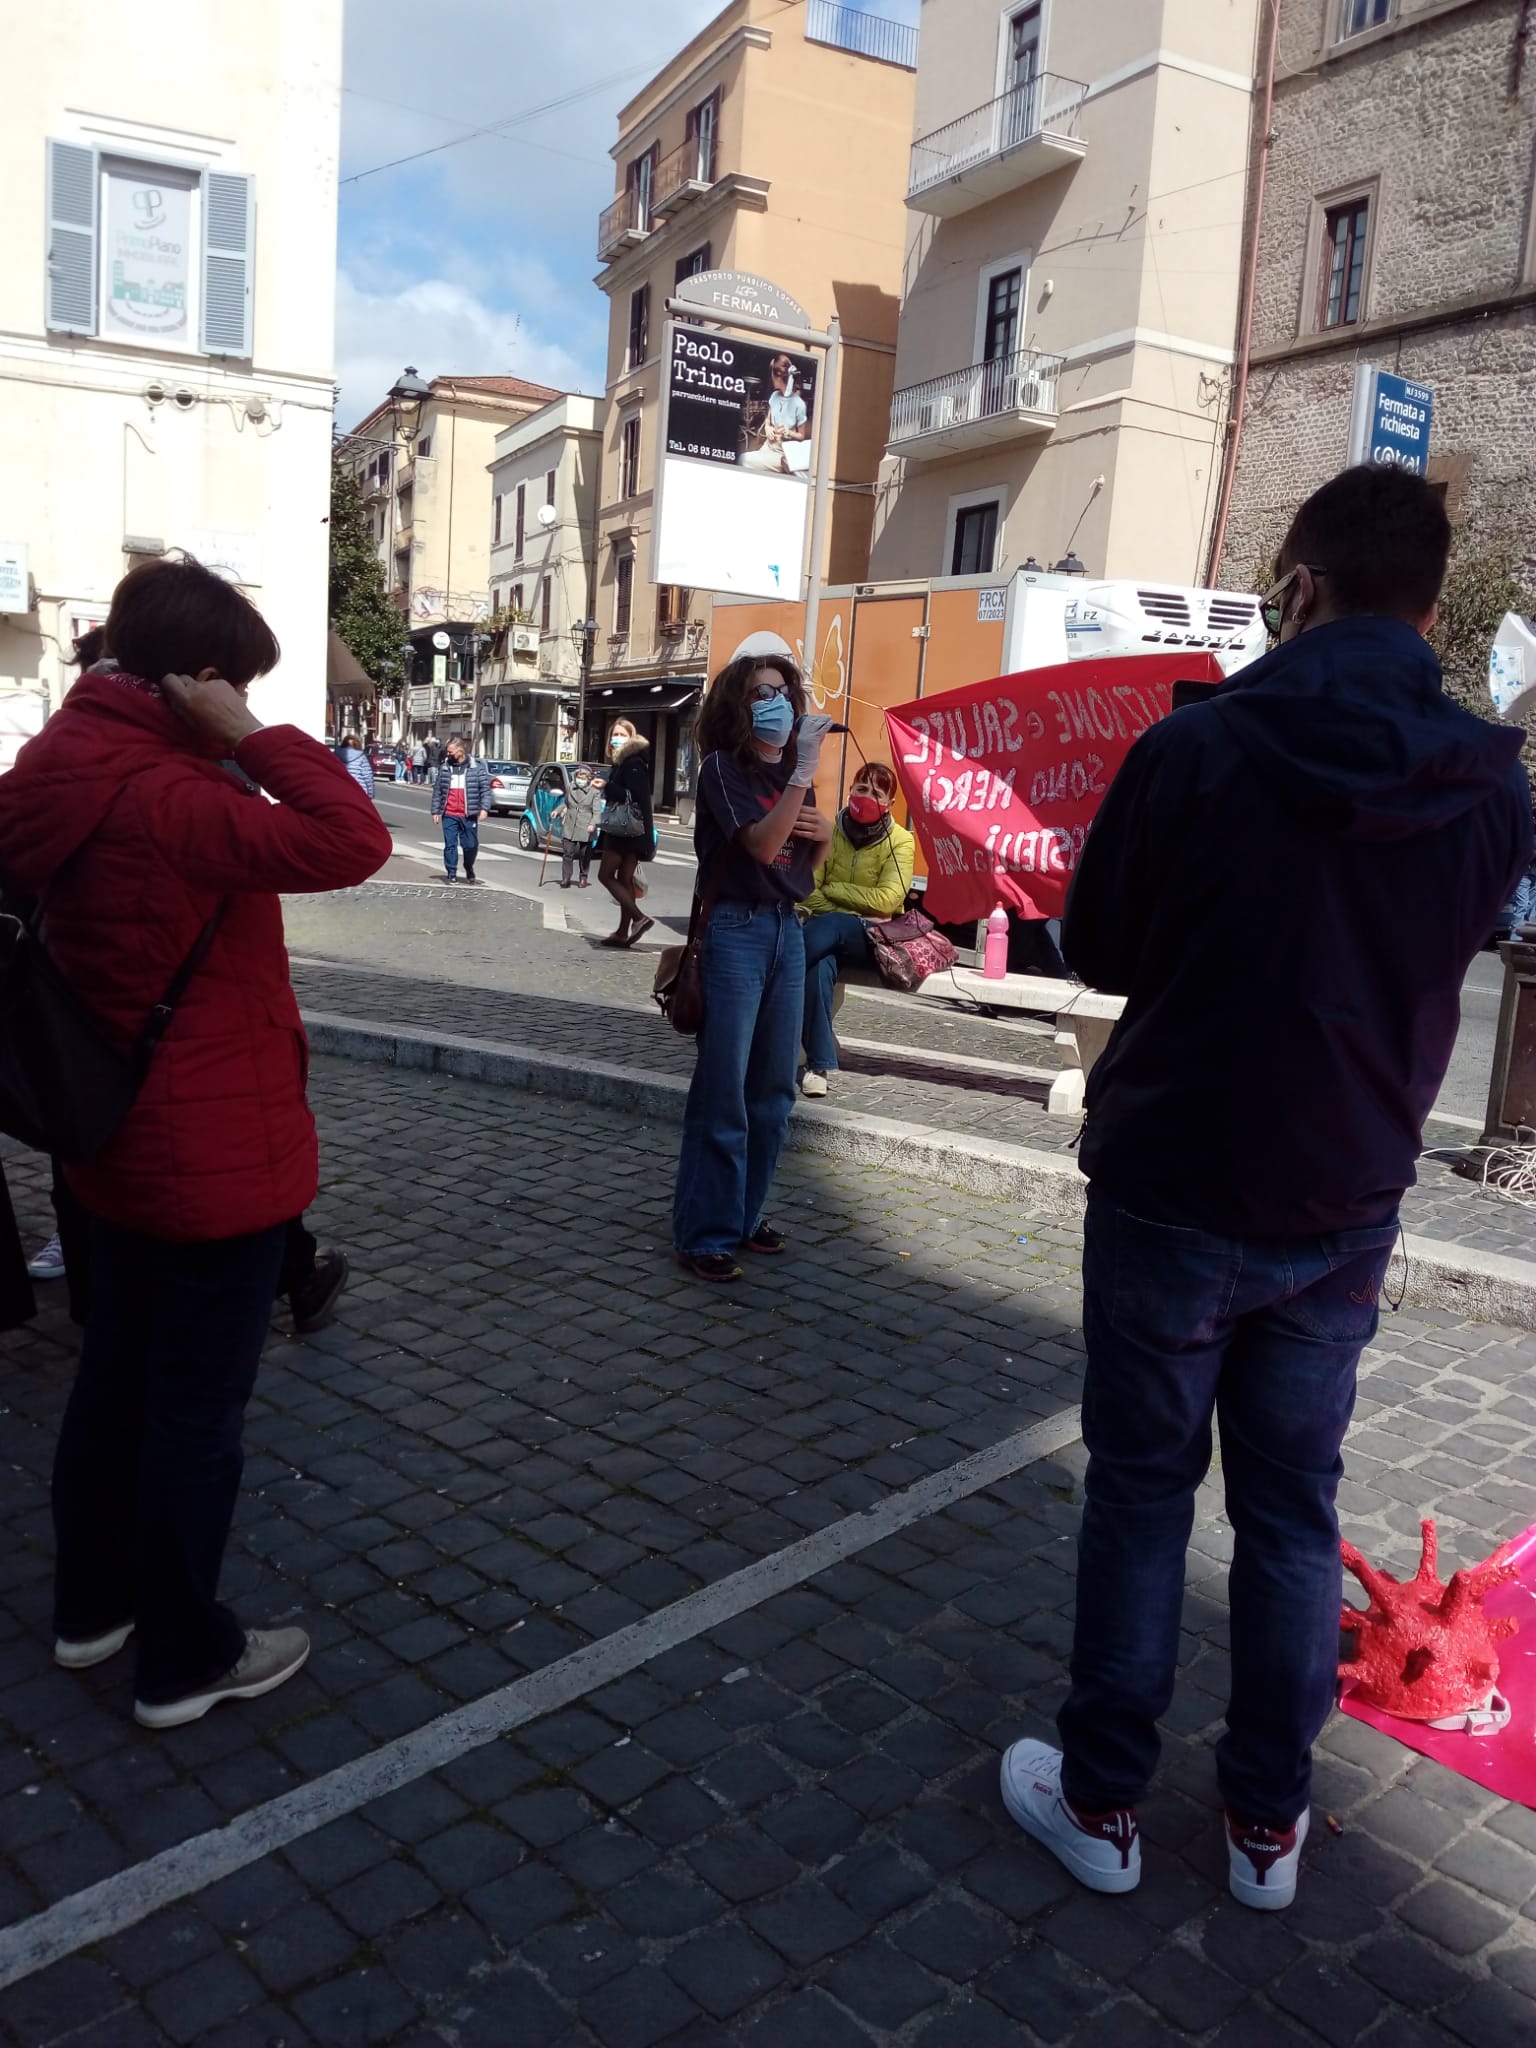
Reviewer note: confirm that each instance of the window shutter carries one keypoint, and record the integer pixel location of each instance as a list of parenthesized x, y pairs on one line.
[(229, 224), (73, 188)]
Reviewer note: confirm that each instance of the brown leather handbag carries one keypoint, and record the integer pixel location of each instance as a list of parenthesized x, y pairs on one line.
[(679, 984)]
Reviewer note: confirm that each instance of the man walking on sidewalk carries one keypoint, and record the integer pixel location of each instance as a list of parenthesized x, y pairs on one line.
[(1287, 883), (461, 796)]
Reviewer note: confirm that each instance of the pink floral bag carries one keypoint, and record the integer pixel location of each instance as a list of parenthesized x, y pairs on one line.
[(908, 949)]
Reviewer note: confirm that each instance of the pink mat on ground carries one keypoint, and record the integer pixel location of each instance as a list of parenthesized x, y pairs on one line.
[(1504, 1761)]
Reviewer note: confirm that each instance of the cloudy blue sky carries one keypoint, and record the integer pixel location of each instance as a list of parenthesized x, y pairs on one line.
[(480, 257)]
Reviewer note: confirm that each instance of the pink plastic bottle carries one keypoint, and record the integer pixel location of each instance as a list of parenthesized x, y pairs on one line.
[(995, 965)]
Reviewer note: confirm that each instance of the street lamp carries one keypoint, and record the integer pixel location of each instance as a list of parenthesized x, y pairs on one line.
[(584, 632), (408, 394), (1069, 565)]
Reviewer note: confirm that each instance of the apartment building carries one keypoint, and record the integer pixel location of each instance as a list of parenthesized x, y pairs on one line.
[(544, 481), (774, 143), (1070, 287), (421, 457), (166, 325), (1398, 230)]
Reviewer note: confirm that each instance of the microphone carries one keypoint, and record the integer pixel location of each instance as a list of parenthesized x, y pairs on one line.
[(839, 728)]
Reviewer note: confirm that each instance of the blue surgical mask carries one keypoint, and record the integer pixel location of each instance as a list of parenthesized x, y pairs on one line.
[(773, 719)]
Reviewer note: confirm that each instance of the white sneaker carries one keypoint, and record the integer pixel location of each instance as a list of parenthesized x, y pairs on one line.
[(1263, 1863), (48, 1263), (812, 1083), (270, 1659), (81, 1652), (1102, 1850)]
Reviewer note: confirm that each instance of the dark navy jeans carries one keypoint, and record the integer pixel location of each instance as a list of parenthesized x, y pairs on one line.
[(460, 835), (834, 939), (1181, 1325), (148, 1464), (743, 1087)]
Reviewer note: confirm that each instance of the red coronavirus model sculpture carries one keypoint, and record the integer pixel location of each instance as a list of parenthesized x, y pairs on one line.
[(1426, 1650)]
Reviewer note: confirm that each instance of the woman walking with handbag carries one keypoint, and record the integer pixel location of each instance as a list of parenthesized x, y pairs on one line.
[(758, 835), (867, 873), (628, 834)]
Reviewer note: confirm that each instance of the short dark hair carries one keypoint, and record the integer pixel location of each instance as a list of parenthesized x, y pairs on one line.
[(89, 647), (174, 617), (725, 719), (875, 775), (1383, 537)]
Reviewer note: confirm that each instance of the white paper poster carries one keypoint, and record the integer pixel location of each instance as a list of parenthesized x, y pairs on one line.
[(147, 233)]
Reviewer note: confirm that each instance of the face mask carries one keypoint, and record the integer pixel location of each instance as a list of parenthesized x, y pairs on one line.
[(615, 745), (865, 809), (773, 720)]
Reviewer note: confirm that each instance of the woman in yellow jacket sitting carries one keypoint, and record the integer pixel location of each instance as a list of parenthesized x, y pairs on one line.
[(866, 875)]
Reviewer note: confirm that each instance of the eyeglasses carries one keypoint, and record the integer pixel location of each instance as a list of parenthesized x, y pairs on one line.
[(761, 692), (1272, 603)]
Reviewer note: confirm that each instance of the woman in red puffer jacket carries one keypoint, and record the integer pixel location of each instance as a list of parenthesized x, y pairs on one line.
[(137, 817)]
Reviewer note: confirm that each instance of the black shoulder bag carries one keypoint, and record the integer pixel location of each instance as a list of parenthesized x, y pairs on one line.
[(65, 1082)]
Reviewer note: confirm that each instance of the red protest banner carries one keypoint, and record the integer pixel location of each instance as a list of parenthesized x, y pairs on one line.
[(1003, 778)]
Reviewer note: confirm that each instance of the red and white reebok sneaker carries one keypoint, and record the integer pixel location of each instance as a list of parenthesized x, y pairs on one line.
[(1102, 1850), (1263, 1862)]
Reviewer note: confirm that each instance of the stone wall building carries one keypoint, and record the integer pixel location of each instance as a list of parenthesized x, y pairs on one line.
[(1397, 230)]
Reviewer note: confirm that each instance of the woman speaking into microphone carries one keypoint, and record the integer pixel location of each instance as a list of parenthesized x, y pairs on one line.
[(759, 838)]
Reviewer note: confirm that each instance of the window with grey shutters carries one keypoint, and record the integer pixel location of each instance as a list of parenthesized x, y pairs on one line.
[(229, 221), (73, 188)]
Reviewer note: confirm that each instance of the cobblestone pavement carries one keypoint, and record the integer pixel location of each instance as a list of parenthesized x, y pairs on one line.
[(525, 1432), (514, 981)]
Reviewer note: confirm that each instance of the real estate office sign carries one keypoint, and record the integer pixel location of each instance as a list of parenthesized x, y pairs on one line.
[(738, 439), (1390, 420)]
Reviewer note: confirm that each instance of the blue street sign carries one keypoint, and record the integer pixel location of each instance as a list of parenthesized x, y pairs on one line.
[(1390, 420)]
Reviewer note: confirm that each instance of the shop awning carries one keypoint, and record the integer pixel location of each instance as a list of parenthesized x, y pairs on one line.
[(672, 695), (345, 676)]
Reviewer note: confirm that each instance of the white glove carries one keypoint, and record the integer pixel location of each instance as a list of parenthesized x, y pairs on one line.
[(810, 731)]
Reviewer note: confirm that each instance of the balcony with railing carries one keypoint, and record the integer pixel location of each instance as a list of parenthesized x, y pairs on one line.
[(684, 176), (861, 34), (1026, 133), (1012, 398), (624, 225)]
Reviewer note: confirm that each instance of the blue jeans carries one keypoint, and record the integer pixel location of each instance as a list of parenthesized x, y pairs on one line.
[(744, 1078), (832, 938), (1180, 1323), (457, 833)]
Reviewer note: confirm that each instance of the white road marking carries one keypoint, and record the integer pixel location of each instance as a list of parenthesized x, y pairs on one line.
[(123, 1900)]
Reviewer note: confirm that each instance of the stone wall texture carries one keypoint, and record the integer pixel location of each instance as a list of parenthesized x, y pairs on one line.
[(1425, 118)]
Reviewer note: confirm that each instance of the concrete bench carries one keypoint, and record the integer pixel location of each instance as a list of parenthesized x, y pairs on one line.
[(1084, 1018)]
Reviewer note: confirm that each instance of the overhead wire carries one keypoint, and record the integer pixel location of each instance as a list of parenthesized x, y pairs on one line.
[(500, 127)]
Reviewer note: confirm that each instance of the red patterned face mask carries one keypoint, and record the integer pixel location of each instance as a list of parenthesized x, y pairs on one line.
[(865, 810)]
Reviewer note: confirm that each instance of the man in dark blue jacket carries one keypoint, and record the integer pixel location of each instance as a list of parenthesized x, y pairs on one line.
[(1287, 884)]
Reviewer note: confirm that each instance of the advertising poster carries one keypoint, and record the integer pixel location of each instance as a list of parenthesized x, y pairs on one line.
[(1003, 778), (737, 457), (147, 233)]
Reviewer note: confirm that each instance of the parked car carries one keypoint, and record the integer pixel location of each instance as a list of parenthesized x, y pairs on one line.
[(509, 785), (547, 788), (381, 759)]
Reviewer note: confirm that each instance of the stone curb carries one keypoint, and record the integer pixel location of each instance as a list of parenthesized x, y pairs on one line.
[(1463, 1281)]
